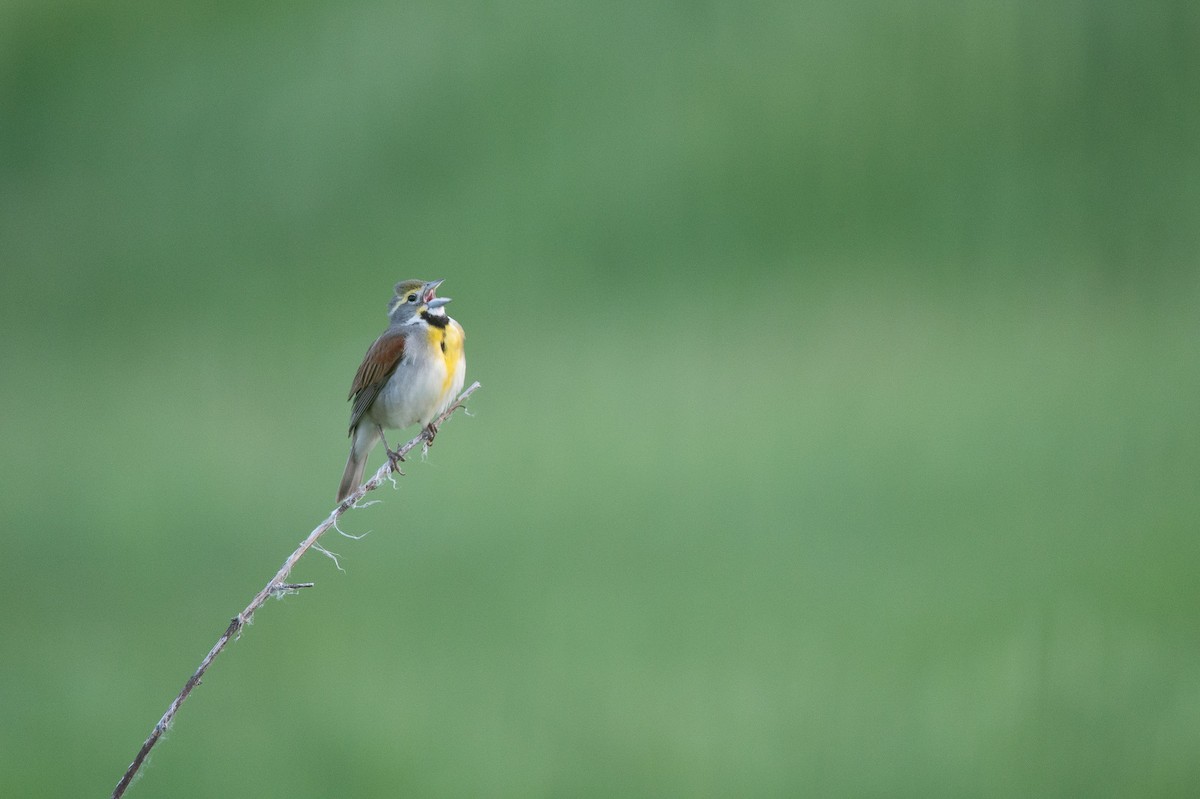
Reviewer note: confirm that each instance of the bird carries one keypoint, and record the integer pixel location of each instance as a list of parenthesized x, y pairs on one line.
[(412, 373)]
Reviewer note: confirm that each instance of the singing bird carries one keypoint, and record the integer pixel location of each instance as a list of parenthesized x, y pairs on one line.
[(412, 373)]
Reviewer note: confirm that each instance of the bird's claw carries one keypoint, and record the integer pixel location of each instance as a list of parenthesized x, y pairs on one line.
[(395, 458)]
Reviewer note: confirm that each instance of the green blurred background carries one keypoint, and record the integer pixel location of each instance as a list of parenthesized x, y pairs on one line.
[(838, 432)]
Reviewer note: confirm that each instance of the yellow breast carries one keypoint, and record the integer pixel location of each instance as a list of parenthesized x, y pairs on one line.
[(449, 341)]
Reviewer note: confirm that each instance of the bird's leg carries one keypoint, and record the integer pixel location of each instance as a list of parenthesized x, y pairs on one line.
[(430, 431), (393, 455)]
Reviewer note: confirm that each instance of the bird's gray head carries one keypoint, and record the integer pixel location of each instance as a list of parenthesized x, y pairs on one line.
[(413, 298)]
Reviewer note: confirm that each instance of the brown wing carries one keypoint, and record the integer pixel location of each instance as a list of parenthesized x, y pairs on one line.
[(380, 361)]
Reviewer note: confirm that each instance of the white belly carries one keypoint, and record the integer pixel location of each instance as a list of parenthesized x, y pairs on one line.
[(411, 395)]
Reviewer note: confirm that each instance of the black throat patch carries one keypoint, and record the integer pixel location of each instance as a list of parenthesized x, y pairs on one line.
[(439, 320)]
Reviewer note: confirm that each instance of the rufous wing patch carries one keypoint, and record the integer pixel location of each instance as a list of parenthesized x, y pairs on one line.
[(380, 361)]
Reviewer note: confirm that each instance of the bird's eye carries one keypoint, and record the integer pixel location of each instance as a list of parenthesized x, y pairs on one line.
[(412, 297)]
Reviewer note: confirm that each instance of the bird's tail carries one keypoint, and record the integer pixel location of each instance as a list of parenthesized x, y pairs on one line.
[(352, 477), (362, 441)]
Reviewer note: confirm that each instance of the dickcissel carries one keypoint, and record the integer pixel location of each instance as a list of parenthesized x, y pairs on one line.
[(409, 375)]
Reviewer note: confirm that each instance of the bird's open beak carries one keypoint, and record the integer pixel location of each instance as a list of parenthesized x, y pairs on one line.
[(431, 287), (437, 302)]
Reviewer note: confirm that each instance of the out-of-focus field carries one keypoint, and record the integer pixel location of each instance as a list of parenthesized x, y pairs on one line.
[(838, 431)]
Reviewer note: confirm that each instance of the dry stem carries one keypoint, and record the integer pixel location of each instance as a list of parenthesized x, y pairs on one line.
[(276, 586)]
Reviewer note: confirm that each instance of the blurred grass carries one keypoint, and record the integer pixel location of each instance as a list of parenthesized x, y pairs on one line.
[(837, 434)]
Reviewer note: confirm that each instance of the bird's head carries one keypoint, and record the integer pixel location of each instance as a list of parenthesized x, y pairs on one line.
[(413, 297)]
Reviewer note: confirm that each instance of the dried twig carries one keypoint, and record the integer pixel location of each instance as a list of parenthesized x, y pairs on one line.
[(275, 587)]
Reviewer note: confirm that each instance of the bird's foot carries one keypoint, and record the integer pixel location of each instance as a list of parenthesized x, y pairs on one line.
[(395, 458), (430, 431)]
